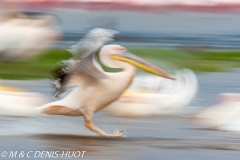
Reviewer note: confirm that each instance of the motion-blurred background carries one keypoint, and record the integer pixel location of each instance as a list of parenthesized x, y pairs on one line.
[(201, 35)]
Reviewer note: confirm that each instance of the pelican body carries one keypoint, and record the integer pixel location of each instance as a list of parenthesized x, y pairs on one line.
[(16, 102), (96, 88), (223, 115), (26, 36)]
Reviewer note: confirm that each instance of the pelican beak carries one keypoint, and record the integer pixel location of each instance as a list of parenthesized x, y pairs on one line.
[(142, 64)]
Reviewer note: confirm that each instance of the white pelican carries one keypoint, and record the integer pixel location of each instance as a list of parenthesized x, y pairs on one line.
[(26, 36), (96, 89), (16, 102), (152, 96), (223, 116)]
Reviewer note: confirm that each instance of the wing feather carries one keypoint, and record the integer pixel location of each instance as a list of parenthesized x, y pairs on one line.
[(83, 65), (84, 68)]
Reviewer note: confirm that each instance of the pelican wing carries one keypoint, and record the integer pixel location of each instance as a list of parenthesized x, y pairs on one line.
[(92, 41), (87, 67), (77, 70), (83, 65)]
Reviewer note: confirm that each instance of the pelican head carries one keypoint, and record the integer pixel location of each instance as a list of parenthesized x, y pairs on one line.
[(120, 53)]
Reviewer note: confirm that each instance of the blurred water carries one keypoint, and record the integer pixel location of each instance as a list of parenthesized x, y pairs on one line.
[(149, 138)]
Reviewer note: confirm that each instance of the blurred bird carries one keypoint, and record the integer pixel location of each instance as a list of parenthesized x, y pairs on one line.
[(152, 96), (223, 116), (89, 44), (26, 36), (22, 37), (16, 102), (96, 89)]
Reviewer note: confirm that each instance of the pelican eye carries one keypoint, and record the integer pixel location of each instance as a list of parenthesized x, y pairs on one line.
[(121, 49)]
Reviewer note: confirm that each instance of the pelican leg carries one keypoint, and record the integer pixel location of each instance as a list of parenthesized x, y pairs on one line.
[(90, 125)]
